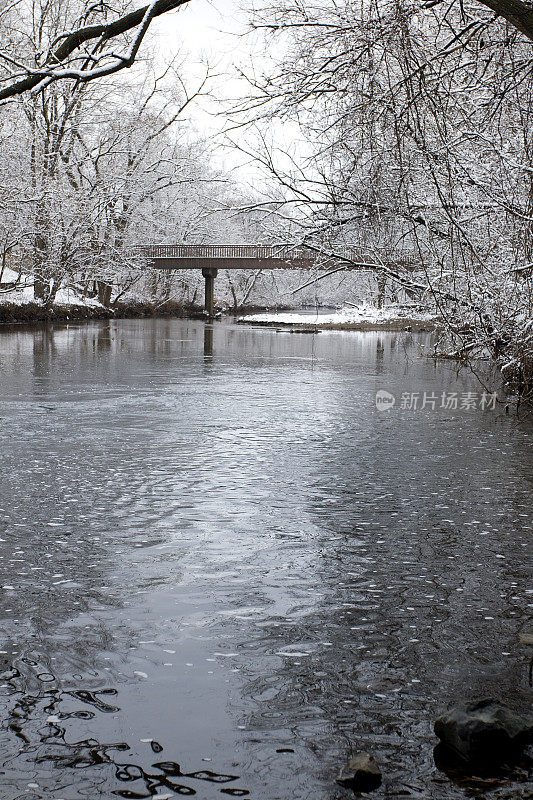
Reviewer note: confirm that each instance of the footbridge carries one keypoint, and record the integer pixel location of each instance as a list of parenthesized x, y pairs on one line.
[(210, 258)]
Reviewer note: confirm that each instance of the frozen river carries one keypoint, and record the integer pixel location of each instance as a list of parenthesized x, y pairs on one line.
[(222, 574)]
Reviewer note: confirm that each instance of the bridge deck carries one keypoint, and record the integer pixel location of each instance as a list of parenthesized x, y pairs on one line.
[(174, 256)]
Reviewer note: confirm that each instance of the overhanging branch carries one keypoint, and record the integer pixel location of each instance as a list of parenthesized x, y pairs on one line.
[(57, 65)]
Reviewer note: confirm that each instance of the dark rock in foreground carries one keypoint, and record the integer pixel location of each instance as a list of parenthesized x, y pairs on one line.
[(362, 774), (485, 732)]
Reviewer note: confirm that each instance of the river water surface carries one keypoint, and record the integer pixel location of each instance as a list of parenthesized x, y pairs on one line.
[(222, 574)]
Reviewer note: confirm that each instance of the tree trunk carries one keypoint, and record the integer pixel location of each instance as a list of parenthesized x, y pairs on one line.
[(104, 292), (382, 282)]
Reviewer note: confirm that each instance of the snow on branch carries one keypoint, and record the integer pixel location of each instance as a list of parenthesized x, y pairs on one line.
[(517, 12), (70, 59)]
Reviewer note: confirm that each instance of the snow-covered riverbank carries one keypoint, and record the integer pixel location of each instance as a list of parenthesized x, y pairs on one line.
[(392, 317), (17, 290), (19, 305)]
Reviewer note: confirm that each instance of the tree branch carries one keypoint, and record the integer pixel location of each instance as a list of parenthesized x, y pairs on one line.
[(56, 65), (517, 12)]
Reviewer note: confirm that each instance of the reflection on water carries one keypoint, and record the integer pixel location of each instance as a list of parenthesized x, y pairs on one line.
[(208, 339), (221, 575)]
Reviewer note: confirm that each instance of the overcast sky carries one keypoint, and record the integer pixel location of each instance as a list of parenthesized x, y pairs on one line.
[(214, 32), (209, 32)]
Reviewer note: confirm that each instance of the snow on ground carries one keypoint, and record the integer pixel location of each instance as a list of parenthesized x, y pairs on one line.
[(68, 297), (346, 316), (23, 294)]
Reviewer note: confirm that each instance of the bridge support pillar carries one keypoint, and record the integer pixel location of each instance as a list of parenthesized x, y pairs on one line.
[(209, 276)]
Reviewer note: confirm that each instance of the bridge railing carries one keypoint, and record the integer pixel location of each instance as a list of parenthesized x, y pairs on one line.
[(278, 253), (225, 251)]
